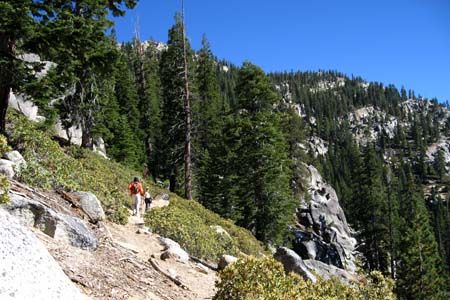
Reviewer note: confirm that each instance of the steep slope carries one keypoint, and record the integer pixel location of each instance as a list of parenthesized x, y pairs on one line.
[(118, 267)]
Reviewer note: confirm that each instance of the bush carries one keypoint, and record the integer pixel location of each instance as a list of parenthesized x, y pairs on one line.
[(190, 224), (4, 189), (4, 147), (243, 238), (190, 231), (264, 278), (4, 183)]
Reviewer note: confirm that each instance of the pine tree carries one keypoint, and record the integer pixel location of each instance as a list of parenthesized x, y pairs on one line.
[(208, 137), (261, 169), (419, 272), (20, 27), (173, 114), (85, 57), (151, 110), (441, 225), (371, 209), (293, 131), (128, 137)]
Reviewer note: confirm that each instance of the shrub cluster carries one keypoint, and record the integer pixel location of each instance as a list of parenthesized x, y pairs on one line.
[(4, 189), (264, 279), (4, 184), (190, 224)]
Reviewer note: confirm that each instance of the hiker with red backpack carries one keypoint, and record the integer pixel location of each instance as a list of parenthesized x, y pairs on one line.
[(136, 190)]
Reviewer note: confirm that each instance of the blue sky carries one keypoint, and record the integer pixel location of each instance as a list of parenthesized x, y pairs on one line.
[(404, 42)]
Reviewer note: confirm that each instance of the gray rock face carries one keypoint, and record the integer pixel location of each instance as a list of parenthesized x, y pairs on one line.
[(27, 270), (61, 227), (292, 262), (323, 233), (99, 147), (91, 206), (72, 135), (24, 106), (7, 168), (326, 271), (225, 261)]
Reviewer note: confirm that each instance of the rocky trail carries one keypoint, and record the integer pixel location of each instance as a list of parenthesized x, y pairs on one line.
[(126, 264)]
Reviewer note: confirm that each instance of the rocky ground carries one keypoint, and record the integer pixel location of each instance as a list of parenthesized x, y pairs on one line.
[(126, 264)]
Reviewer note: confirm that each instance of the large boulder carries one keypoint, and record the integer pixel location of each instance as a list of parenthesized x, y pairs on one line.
[(225, 261), (16, 158), (7, 168), (173, 250), (61, 227), (323, 233), (219, 229), (292, 262), (27, 270), (90, 204)]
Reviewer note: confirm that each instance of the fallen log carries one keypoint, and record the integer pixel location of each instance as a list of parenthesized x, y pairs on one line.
[(201, 261), (173, 279)]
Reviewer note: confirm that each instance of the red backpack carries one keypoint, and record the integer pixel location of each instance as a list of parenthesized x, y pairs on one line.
[(135, 188)]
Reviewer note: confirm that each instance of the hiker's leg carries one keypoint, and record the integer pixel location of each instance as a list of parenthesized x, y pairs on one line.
[(138, 205), (135, 205)]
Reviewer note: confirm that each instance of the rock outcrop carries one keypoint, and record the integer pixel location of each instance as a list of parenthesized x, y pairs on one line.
[(327, 271), (322, 233), (61, 227), (27, 270), (292, 262)]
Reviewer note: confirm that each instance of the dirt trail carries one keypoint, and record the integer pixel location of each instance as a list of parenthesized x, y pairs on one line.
[(197, 278), (120, 267)]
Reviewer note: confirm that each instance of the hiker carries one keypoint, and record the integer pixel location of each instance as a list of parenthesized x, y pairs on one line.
[(147, 199), (136, 191)]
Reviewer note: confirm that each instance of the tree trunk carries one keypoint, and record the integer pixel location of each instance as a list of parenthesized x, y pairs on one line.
[(187, 110), (172, 183), (7, 46), (4, 98)]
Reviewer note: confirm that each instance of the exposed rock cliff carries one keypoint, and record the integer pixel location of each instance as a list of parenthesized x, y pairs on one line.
[(322, 233)]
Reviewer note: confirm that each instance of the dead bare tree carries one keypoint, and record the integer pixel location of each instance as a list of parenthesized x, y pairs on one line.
[(187, 111)]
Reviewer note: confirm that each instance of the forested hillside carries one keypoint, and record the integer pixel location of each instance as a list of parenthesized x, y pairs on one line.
[(384, 149)]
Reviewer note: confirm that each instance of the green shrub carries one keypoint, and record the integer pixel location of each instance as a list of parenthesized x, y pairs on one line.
[(244, 240), (190, 224), (190, 231), (4, 183), (119, 215), (4, 189), (264, 279), (4, 147)]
